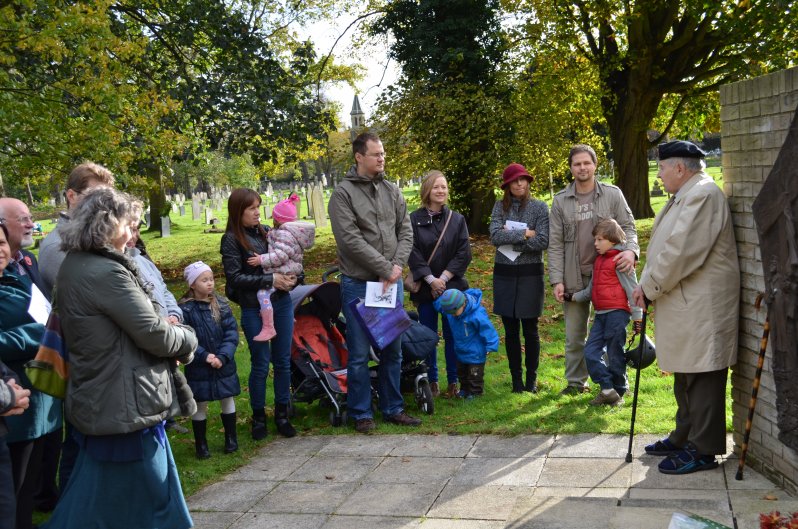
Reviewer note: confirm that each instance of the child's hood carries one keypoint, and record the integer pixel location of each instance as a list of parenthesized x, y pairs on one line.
[(473, 300), (303, 232)]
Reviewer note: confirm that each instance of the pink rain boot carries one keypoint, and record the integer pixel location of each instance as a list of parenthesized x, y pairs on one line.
[(267, 332)]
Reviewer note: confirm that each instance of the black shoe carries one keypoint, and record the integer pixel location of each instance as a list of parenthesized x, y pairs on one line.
[(200, 441), (403, 419), (284, 426), (259, 425), (531, 388), (518, 385), (365, 425), (230, 433)]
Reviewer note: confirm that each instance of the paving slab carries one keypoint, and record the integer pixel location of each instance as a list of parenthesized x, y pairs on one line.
[(408, 469), (485, 502), (582, 492), (391, 499), (435, 445), (296, 446), (456, 523), (280, 521), (499, 471), (230, 496), (517, 447), (372, 522), (361, 445), (215, 520), (305, 498), (321, 469), (585, 472), (747, 505), (269, 468), (604, 446)]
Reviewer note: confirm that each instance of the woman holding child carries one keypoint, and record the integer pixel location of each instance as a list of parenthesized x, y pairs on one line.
[(244, 238), (439, 259), (519, 228)]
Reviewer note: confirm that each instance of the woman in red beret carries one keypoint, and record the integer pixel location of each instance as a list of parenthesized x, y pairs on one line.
[(519, 228)]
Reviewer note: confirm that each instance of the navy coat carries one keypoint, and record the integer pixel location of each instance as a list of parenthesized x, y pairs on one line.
[(206, 382)]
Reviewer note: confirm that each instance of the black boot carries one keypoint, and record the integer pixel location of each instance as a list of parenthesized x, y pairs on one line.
[(200, 442), (281, 420), (230, 434), (531, 384), (518, 383), (259, 424)]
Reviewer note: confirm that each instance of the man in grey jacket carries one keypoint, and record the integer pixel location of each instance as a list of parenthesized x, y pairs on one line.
[(574, 212), (374, 237)]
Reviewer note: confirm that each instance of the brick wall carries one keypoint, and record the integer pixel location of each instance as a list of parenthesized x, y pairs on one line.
[(755, 116)]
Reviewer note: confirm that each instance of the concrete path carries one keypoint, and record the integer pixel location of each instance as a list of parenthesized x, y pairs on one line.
[(474, 482)]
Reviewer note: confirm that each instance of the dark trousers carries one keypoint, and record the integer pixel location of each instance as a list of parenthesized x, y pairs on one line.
[(46, 494), (472, 378), (69, 455), (701, 413), (512, 338), (8, 502), (26, 462)]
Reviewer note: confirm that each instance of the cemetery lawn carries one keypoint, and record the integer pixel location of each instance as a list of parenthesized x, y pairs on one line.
[(497, 412)]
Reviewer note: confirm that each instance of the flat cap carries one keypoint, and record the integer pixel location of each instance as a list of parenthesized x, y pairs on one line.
[(679, 149)]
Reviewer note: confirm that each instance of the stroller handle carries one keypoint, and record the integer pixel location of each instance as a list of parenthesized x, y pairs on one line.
[(327, 273)]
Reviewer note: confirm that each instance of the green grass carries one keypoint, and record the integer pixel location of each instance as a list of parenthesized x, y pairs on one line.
[(497, 412)]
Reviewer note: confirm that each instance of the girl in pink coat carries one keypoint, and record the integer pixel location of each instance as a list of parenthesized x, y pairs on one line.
[(287, 243)]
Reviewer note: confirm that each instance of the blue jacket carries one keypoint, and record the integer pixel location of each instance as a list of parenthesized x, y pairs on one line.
[(473, 333), (206, 382), (19, 342)]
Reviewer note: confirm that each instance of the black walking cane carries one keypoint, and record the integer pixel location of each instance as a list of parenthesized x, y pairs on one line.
[(637, 382), (763, 345)]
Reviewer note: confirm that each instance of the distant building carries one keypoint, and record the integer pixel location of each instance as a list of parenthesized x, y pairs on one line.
[(358, 119)]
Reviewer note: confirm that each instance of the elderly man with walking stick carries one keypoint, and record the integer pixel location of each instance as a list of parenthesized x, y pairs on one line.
[(692, 279)]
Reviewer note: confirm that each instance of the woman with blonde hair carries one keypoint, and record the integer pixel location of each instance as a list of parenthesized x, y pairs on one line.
[(439, 260)]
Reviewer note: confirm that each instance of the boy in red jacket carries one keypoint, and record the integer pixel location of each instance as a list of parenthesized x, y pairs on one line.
[(611, 293)]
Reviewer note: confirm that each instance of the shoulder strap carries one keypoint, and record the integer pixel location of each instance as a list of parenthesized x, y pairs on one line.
[(440, 237)]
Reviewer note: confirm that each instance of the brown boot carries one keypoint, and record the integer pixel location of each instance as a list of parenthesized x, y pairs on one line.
[(451, 391), (436, 391)]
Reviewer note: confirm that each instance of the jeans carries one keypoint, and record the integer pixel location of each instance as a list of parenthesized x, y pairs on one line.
[(428, 317), (608, 335), (358, 378), (277, 351)]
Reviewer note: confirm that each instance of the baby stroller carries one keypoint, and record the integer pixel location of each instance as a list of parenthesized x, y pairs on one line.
[(318, 349), (319, 354)]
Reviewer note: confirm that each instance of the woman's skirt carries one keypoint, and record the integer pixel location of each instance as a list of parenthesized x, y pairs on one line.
[(143, 494), (518, 290)]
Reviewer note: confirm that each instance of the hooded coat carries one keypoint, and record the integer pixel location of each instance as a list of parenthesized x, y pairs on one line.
[(473, 333)]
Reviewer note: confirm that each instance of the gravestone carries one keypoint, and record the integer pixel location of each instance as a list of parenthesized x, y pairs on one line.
[(166, 226), (308, 190), (147, 219), (656, 191), (267, 211), (317, 199), (323, 180), (182, 209), (195, 208), (208, 215)]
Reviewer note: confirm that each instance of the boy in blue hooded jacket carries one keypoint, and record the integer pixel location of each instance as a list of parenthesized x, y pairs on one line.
[(474, 336)]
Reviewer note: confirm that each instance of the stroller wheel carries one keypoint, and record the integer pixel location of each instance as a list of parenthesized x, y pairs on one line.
[(337, 420), (424, 398)]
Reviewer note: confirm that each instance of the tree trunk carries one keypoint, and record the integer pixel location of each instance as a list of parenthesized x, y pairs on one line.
[(2, 187), (481, 207), (631, 162), (30, 193), (156, 194)]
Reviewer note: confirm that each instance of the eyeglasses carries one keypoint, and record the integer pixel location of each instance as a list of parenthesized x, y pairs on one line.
[(377, 155), (25, 220)]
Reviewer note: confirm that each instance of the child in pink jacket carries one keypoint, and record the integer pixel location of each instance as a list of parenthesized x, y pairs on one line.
[(287, 242)]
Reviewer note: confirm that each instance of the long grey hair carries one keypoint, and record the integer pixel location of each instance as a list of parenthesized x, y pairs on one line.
[(94, 222)]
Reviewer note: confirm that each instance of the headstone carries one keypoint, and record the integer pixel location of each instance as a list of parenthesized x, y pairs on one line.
[(195, 208), (323, 180), (182, 208), (656, 191), (267, 211), (174, 207), (317, 199), (147, 219), (166, 226), (208, 215), (308, 191)]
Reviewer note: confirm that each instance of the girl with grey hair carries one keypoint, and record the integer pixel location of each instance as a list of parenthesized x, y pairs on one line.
[(123, 381)]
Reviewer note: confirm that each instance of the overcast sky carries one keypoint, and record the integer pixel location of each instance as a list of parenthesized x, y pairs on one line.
[(377, 76)]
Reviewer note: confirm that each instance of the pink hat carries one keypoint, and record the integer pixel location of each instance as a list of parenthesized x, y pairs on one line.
[(513, 172), (194, 270), (285, 210)]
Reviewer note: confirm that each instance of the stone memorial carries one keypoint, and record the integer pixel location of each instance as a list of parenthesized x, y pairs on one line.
[(166, 226), (195, 208), (317, 199)]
